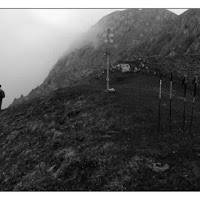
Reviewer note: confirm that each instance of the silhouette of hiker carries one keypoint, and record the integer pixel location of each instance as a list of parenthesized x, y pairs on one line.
[(2, 95)]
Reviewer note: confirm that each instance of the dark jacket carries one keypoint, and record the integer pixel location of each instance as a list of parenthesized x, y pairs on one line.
[(2, 94)]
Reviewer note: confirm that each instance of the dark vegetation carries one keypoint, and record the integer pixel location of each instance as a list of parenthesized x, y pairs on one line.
[(82, 138)]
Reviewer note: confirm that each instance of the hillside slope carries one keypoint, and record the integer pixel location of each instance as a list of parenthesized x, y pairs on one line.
[(82, 138)]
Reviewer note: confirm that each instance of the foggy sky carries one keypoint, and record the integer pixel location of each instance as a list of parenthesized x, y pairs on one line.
[(32, 40)]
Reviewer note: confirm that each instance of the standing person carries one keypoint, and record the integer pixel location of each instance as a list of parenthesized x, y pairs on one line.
[(2, 95)]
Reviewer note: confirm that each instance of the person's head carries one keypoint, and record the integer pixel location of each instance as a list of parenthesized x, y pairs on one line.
[(0, 86)]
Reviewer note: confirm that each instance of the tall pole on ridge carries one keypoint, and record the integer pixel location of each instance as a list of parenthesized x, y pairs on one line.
[(108, 66), (108, 39)]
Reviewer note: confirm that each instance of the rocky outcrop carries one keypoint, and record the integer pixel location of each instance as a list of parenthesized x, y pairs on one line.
[(181, 37)]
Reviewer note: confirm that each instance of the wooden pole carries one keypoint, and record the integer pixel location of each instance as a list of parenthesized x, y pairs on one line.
[(184, 97), (170, 106), (108, 65), (108, 40), (160, 96), (193, 103)]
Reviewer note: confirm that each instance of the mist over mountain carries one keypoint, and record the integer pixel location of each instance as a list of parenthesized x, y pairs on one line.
[(137, 32), (32, 40)]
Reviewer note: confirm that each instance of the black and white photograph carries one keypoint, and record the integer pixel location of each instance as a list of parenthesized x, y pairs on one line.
[(101, 99)]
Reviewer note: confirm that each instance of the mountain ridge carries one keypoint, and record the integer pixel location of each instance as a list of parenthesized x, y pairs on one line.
[(138, 32)]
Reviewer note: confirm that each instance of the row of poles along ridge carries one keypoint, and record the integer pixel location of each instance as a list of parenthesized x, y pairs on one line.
[(184, 83), (108, 39)]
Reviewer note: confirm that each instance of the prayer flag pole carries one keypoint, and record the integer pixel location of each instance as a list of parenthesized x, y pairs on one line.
[(160, 92), (170, 106), (193, 103), (184, 82)]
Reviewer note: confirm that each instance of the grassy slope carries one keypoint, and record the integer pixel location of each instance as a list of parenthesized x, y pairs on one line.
[(82, 138)]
